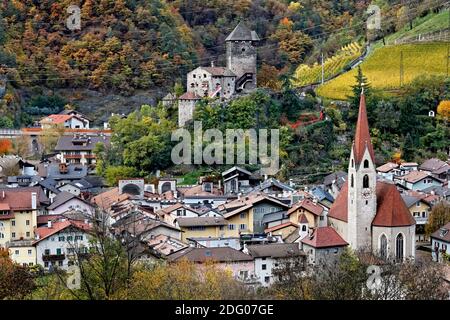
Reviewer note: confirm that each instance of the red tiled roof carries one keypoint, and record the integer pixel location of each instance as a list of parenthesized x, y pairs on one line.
[(391, 209), (324, 237), (280, 226), (4, 207), (415, 176), (57, 226), (387, 167), (189, 96), (17, 199), (339, 208), (362, 135), (308, 205)]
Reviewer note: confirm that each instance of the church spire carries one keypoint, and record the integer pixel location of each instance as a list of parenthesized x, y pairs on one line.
[(362, 135)]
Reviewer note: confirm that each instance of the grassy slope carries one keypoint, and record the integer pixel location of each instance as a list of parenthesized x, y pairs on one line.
[(382, 67), (430, 23)]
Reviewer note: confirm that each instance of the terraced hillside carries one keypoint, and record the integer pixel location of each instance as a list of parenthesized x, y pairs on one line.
[(383, 67), (305, 74)]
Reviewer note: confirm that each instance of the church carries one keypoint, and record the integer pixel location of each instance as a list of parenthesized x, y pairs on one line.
[(239, 75), (368, 213)]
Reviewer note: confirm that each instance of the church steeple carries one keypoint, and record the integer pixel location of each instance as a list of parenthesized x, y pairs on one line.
[(362, 198), (362, 135)]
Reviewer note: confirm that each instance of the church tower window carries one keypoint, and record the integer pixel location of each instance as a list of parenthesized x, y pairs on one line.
[(351, 181), (366, 163), (383, 247), (399, 247), (366, 181)]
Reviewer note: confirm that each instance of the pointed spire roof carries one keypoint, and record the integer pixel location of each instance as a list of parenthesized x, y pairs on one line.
[(362, 135), (242, 33)]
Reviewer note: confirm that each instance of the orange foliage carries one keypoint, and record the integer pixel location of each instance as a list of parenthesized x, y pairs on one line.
[(5, 146), (444, 109)]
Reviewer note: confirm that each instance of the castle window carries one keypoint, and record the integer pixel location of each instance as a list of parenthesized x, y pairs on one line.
[(366, 181), (383, 247), (366, 163), (399, 247), (352, 181)]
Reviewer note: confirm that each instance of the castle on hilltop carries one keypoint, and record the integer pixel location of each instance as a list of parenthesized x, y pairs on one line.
[(222, 82)]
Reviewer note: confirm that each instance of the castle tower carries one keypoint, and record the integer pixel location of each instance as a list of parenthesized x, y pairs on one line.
[(241, 56), (362, 198)]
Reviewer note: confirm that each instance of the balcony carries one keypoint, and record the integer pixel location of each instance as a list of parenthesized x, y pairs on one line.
[(420, 220), (53, 257), (73, 156)]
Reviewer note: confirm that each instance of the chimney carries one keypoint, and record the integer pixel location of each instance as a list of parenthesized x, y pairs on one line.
[(49, 223), (34, 200)]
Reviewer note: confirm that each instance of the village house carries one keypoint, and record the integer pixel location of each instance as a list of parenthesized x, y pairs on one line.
[(201, 227), (238, 180), (215, 242), (245, 215), (311, 210), (60, 243), (18, 220), (66, 201), (440, 243), (165, 245), (69, 119), (420, 210), (333, 182), (79, 148), (269, 257), (438, 168), (322, 245), (419, 180), (238, 263)]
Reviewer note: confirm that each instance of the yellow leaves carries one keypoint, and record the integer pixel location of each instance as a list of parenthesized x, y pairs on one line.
[(444, 109), (295, 6), (397, 157)]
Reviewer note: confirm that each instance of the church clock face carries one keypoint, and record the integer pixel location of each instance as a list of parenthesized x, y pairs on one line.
[(366, 192)]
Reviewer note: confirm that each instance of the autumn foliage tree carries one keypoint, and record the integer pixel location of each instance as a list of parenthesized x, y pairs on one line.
[(16, 282), (439, 216), (444, 109), (5, 146)]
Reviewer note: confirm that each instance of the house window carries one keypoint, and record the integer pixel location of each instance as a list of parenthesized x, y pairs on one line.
[(242, 215), (267, 279), (61, 238), (424, 214), (231, 227), (418, 204), (29, 252), (399, 247), (13, 234), (264, 267), (69, 238), (13, 222), (366, 181), (17, 252), (383, 247), (27, 222), (46, 264), (303, 228), (60, 263), (366, 163), (242, 226), (79, 238), (221, 227), (28, 234), (47, 252), (58, 251), (321, 218)]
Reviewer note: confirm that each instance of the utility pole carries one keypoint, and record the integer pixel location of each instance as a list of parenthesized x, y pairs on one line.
[(323, 70), (401, 69), (448, 43)]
